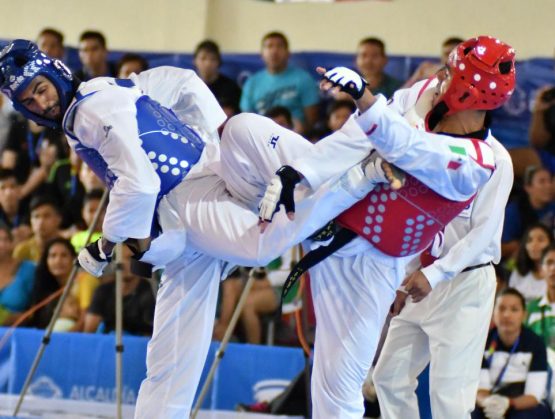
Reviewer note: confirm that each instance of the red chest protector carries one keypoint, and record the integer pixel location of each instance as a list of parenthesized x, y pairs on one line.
[(402, 222)]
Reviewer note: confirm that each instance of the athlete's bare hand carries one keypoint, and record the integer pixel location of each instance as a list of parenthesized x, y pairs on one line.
[(417, 286)]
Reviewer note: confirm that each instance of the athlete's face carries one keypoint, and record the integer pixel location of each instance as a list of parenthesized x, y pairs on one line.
[(444, 77), (548, 268), (41, 97), (508, 314)]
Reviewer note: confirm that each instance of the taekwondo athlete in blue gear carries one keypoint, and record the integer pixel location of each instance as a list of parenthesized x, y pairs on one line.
[(153, 139)]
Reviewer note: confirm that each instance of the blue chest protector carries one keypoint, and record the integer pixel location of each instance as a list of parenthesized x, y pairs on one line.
[(172, 146)]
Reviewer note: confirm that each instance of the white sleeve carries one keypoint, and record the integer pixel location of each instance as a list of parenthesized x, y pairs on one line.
[(334, 155), (488, 213), (535, 385), (446, 164), (133, 196), (184, 93)]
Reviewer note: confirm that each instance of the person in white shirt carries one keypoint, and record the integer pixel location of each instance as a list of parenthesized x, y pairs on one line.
[(354, 287), (528, 277)]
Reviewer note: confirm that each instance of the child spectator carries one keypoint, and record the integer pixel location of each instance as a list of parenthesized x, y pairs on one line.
[(513, 378), (528, 276)]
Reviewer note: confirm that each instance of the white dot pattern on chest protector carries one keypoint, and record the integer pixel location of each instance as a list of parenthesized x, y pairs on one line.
[(373, 228)]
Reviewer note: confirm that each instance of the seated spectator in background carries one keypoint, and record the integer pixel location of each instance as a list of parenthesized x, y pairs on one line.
[(230, 291), (130, 63), (281, 116), (371, 60), (88, 178), (338, 113), (31, 151), (513, 379), (53, 271), (528, 277), (51, 42), (535, 205), (16, 280), (281, 84), (45, 224), (208, 60), (427, 69), (541, 311), (138, 304), (94, 57), (90, 206), (261, 300), (542, 126), (7, 116), (13, 212)]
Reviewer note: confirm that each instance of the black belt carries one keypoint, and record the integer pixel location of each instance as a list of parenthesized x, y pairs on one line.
[(481, 265)]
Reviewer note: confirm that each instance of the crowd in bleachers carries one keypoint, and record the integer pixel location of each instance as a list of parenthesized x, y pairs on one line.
[(48, 197)]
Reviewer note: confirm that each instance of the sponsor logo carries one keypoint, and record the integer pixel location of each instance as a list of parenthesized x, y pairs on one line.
[(46, 387), (273, 141)]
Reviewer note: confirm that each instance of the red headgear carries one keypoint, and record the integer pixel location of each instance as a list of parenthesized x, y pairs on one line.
[(482, 75)]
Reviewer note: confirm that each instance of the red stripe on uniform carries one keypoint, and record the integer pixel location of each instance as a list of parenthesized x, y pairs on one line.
[(478, 152), (371, 130), (453, 165)]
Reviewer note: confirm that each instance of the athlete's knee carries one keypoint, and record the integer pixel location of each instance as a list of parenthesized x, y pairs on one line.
[(236, 129)]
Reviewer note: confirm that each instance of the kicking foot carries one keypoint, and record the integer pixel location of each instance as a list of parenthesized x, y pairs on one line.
[(378, 170)]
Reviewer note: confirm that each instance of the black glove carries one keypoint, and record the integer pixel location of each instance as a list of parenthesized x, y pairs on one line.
[(279, 192)]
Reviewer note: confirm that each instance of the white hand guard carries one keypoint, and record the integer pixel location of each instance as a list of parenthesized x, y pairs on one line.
[(348, 80), (270, 200), (279, 192), (93, 259)]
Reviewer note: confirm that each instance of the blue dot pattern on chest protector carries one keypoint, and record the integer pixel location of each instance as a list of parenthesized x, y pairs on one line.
[(172, 147)]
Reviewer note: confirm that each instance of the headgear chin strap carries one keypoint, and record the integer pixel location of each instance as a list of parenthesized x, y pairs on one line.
[(20, 62)]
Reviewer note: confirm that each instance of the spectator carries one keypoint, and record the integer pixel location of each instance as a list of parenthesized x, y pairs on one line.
[(31, 151), (7, 116), (542, 126), (281, 116), (13, 212), (94, 57), (281, 84), (338, 113), (427, 69), (528, 278), (45, 224), (51, 42), (131, 63), (16, 280), (207, 61), (513, 378), (262, 300), (535, 205), (88, 178), (90, 206), (138, 304), (541, 311), (371, 60), (53, 271)]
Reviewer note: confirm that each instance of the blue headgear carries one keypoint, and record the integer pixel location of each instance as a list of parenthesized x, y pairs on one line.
[(20, 62)]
